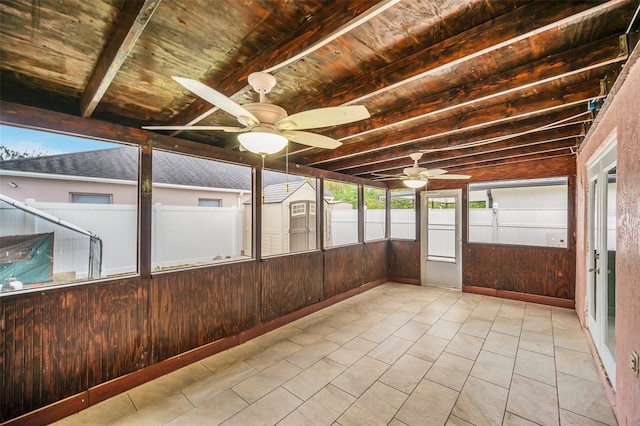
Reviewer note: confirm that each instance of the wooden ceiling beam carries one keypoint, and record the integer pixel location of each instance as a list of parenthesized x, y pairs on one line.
[(323, 27), (573, 132), (131, 21), (525, 77), (488, 37), (540, 103)]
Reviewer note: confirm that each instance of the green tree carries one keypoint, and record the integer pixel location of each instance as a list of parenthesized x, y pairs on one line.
[(10, 154)]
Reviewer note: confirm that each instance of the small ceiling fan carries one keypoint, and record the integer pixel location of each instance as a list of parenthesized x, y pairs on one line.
[(417, 177), (267, 127)]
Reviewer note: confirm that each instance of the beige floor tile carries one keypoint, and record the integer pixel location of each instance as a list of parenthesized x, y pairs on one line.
[(266, 411), (351, 351), (322, 409), (540, 324), (456, 421), (272, 355), (104, 413), (345, 334), (450, 370), (465, 345), (569, 339), (484, 314), (511, 419), (219, 382), (376, 406), (158, 414), (357, 378), (276, 336), (378, 332), (534, 401), (305, 339), (567, 418), (536, 342), (577, 364), (511, 326), (500, 343), (511, 312), (212, 412), (370, 319), (493, 368), (441, 306), (565, 319), (313, 353), (406, 373), (399, 318), (481, 403), (456, 314), (258, 385), (584, 397), (476, 327), (536, 366), (153, 392), (445, 329), (314, 378), (428, 316), (390, 349), (428, 347), (412, 330), (416, 411), (223, 359)]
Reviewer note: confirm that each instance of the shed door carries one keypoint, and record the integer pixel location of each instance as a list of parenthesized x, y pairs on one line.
[(302, 226)]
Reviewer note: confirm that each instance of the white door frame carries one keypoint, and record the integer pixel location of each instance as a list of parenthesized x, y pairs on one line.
[(434, 272), (596, 254)]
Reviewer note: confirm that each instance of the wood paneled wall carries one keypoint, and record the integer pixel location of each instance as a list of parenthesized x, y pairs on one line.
[(404, 261), (64, 342)]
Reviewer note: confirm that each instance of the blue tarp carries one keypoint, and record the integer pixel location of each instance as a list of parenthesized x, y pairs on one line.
[(28, 258)]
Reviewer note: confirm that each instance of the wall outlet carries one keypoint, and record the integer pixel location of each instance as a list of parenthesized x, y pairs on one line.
[(634, 364)]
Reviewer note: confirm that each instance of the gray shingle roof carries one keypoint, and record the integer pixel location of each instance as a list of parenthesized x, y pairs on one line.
[(279, 192), (122, 163)]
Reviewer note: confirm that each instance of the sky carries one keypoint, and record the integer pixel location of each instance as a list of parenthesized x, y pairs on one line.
[(46, 143)]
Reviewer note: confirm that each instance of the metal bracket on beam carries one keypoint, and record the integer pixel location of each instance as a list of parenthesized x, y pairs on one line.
[(624, 45)]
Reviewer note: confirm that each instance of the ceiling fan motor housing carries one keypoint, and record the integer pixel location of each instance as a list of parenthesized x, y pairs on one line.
[(266, 113)]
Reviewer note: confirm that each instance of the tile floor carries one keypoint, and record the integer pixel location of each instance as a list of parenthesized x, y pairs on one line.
[(395, 355)]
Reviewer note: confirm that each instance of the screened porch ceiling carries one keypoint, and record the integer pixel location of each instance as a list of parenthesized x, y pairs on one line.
[(476, 85)]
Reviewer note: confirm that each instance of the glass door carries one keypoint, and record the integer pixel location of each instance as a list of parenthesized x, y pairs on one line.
[(441, 239), (601, 257)]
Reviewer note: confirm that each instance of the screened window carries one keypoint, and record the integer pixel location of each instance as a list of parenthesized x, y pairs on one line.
[(186, 233), (69, 217), (287, 223), (403, 214), (209, 202), (525, 212), (375, 213), (91, 198), (340, 213)]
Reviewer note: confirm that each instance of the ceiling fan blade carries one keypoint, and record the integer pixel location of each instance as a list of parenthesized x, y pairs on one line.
[(216, 98), (311, 139), (223, 128), (447, 176), (324, 117), (430, 173)]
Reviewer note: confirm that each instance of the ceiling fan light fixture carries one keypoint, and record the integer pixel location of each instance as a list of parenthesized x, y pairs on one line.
[(414, 183), (262, 142)]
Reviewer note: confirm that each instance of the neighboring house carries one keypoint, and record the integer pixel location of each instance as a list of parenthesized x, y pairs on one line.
[(110, 176)]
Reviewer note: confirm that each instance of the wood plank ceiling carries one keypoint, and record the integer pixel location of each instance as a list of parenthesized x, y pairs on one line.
[(475, 84)]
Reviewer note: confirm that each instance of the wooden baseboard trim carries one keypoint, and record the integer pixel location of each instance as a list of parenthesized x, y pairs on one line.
[(403, 280), (524, 297)]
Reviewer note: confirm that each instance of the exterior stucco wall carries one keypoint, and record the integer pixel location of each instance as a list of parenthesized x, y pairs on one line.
[(620, 119)]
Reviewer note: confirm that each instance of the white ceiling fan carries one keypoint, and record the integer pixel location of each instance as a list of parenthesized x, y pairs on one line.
[(267, 127), (417, 177)]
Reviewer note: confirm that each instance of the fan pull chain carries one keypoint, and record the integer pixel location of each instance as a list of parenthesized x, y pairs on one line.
[(262, 171), (286, 165)]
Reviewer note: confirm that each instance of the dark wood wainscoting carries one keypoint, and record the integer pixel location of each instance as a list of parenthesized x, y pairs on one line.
[(343, 269), (404, 261), (290, 283), (544, 271), (374, 268), (91, 341)]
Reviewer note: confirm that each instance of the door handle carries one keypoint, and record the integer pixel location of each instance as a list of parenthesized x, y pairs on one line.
[(597, 270)]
